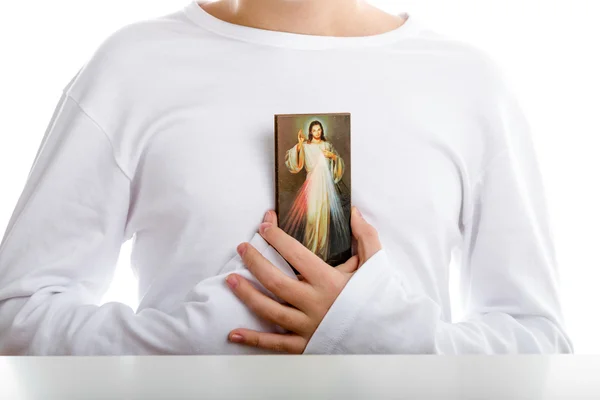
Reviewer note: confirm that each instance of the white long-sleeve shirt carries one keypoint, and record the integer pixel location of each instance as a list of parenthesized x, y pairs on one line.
[(166, 136)]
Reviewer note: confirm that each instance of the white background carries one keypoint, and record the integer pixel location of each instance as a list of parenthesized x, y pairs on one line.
[(549, 49)]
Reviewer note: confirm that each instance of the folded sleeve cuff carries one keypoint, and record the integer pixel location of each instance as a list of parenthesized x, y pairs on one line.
[(355, 296)]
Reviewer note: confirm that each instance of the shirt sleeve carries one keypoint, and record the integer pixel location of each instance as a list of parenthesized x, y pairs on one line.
[(508, 282), (59, 254)]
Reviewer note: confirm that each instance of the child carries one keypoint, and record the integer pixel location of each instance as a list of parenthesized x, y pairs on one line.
[(165, 136)]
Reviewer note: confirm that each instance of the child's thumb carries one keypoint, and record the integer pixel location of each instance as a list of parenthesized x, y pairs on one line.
[(366, 236)]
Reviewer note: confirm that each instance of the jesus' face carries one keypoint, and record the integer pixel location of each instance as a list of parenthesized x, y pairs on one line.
[(316, 131)]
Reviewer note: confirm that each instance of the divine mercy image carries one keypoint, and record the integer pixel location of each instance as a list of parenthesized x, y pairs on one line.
[(313, 181)]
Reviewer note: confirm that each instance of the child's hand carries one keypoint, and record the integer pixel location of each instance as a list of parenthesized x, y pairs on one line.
[(309, 299)]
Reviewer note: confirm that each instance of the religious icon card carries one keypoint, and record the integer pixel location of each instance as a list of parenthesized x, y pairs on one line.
[(312, 182)]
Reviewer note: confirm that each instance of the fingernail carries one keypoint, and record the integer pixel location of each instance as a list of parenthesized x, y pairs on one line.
[(232, 281), (357, 212), (267, 217), (264, 227), (236, 337), (241, 249)]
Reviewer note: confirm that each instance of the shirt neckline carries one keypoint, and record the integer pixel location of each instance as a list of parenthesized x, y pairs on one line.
[(200, 17)]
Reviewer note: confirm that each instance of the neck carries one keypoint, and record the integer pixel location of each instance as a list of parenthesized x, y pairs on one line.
[(309, 17)]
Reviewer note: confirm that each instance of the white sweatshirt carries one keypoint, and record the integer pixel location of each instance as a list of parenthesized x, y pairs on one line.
[(166, 136)]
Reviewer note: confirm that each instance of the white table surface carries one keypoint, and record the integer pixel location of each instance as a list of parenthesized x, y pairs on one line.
[(301, 377)]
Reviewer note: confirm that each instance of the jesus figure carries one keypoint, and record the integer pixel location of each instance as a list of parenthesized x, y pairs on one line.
[(317, 209)]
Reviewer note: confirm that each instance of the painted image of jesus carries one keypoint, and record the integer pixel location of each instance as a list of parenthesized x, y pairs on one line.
[(316, 216)]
